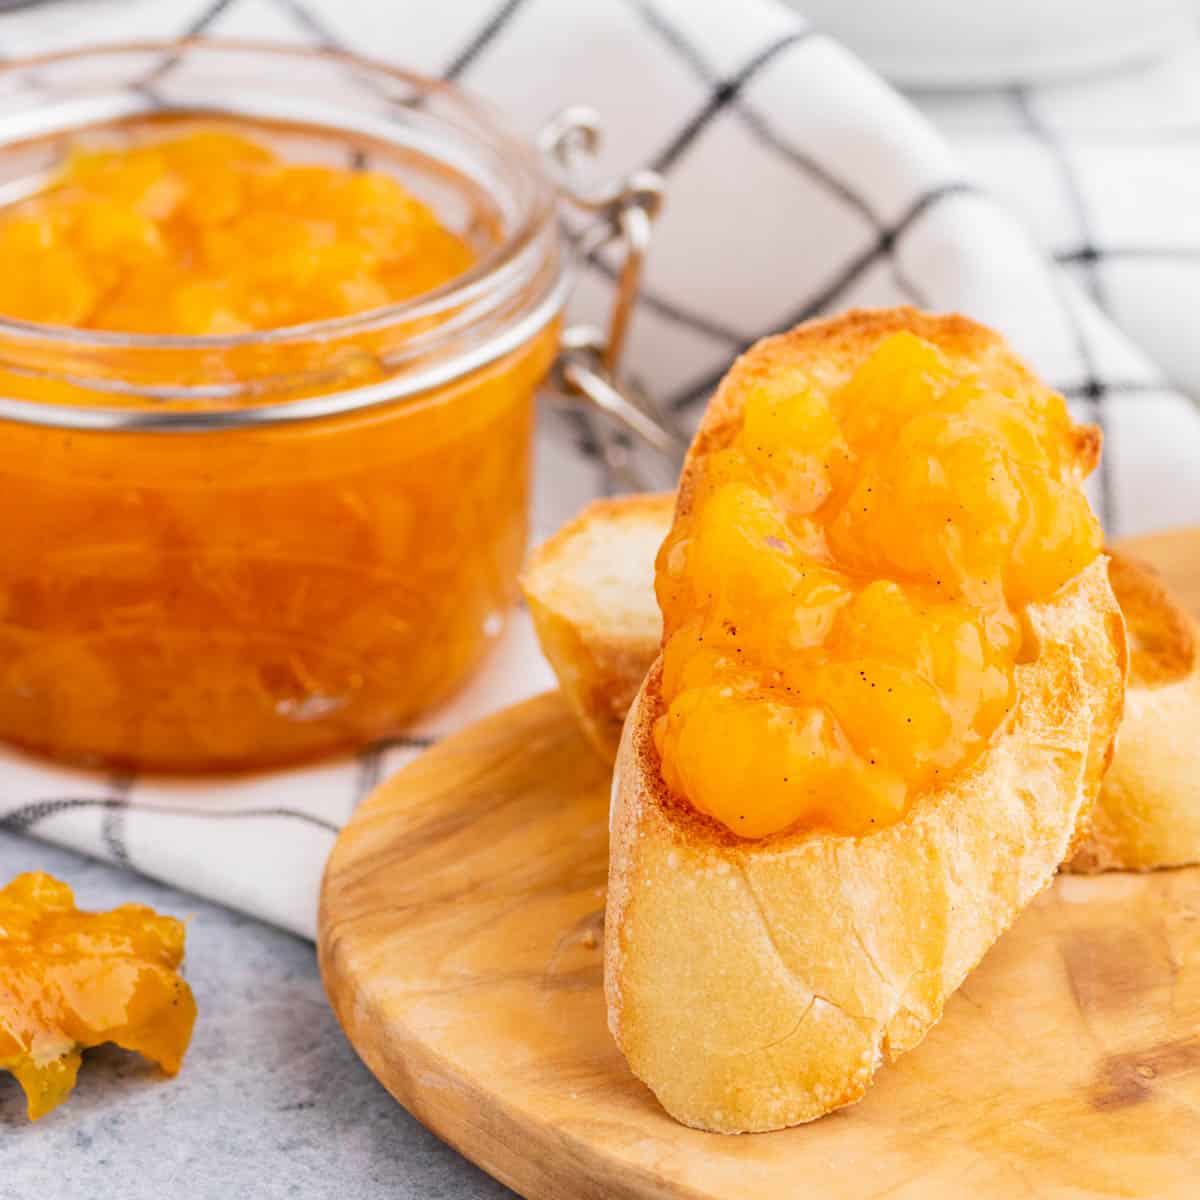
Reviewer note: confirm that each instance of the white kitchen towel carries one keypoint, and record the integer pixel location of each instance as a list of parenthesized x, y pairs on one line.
[(799, 184), (1105, 172)]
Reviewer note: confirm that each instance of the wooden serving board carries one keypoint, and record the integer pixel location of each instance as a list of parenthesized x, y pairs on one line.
[(460, 943)]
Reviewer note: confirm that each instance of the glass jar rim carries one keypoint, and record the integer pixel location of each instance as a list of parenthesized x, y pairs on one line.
[(419, 307), (447, 310)]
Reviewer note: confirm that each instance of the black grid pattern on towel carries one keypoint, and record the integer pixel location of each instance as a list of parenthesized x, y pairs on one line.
[(828, 293), (112, 826), (24, 818), (1092, 255), (1094, 390), (726, 94)]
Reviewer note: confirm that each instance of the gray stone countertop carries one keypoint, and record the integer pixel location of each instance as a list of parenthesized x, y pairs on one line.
[(271, 1102)]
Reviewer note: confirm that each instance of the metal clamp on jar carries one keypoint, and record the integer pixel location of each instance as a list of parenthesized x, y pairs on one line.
[(623, 212)]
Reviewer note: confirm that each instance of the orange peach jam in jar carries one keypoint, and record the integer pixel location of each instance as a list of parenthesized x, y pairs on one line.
[(211, 232), (267, 376), (842, 598)]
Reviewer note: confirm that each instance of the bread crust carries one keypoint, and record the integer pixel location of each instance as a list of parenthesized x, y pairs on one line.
[(758, 984), (1148, 812)]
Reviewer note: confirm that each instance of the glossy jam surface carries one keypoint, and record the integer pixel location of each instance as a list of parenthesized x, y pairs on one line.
[(248, 597), (211, 233), (70, 980), (842, 603)]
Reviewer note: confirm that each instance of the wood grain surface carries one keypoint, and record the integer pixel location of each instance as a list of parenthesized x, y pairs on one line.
[(460, 943)]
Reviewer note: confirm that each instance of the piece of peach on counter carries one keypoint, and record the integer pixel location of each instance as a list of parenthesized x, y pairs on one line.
[(70, 980)]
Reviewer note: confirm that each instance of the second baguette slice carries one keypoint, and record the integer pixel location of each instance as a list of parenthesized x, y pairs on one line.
[(590, 590), (1148, 814)]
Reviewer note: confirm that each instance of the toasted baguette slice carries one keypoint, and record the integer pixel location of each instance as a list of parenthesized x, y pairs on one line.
[(758, 984), (1148, 814), (590, 589)]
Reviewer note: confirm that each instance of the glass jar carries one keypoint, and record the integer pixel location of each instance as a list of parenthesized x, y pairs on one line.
[(233, 552)]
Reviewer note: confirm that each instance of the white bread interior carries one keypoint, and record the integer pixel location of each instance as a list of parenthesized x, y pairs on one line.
[(590, 590)]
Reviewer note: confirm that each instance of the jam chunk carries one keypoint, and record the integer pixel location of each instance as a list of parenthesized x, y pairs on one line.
[(70, 980)]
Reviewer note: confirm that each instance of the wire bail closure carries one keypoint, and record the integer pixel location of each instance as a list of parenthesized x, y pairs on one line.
[(624, 210)]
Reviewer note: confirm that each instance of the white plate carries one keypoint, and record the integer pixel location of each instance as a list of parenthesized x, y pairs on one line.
[(994, 43)]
